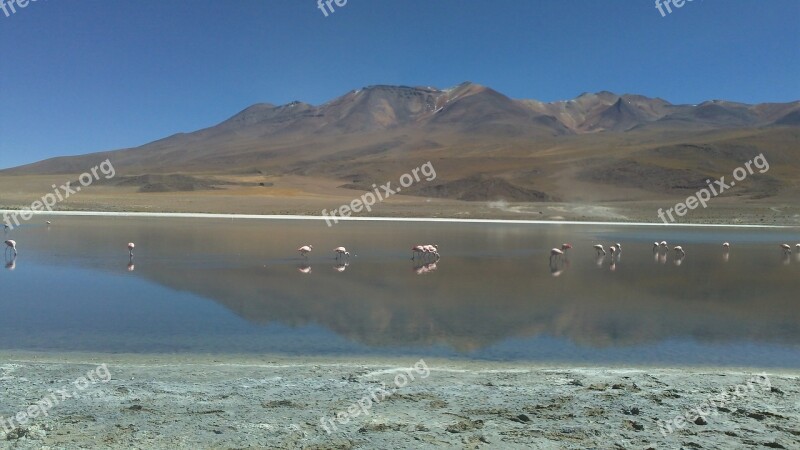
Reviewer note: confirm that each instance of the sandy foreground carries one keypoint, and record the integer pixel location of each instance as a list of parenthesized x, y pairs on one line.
[(237, 402)]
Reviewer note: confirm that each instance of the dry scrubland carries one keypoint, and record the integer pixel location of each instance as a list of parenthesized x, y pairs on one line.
[(228, 402), (309, 196)]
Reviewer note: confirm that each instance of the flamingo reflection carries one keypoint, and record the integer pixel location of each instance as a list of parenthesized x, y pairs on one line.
[(341, 267), (304, 268), (423, 269)]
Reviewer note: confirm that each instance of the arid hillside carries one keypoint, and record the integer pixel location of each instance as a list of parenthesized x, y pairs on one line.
[(485, 146)]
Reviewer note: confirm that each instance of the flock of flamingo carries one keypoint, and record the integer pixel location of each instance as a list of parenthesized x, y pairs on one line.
[(558, 260), (428, 255)]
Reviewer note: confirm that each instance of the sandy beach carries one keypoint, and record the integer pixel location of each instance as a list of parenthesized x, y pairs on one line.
[(182, 401)]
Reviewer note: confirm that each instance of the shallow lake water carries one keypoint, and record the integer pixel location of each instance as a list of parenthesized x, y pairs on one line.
[(239, 286)]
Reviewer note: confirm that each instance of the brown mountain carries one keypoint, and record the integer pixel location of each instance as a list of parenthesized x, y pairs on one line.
[(486, 145)]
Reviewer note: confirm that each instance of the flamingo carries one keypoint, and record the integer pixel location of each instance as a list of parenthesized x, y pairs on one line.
[(600, 250), (305, 250), (131, 246), (679, 249), (560, 252), (786, 248), (417, 250), (664, 245), (340, 252), (432, 249), (613, 250), (726, 245), (619, 247), (655, 246), (11, 244)]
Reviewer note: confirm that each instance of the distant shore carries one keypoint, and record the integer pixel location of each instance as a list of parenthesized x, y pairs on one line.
[(385, 219), (213, 401)]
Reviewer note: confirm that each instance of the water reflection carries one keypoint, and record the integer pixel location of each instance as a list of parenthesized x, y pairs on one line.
[(495, 286)]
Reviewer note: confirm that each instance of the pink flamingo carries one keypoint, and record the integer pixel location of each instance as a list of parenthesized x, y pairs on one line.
[(655, 247), (432, 249), (340, 252), (600, 250), (131, 246), (555, 253), (305, 250), (726, 245), (679, 249), (11, 244), (417, 250), (786, 248)]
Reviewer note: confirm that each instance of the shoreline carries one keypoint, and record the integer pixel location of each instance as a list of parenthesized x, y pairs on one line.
[(388, 219), (178, 401), (246, 360)]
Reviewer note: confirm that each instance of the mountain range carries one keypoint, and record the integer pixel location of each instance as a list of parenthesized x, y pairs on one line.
[(485, 145)]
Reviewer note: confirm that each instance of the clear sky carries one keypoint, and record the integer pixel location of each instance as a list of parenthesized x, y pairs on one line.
[(78, 76)]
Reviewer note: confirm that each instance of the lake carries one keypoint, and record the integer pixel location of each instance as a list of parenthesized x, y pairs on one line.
[(217, 285)]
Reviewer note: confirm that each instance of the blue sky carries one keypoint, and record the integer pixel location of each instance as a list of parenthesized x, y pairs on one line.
[(91, 75)]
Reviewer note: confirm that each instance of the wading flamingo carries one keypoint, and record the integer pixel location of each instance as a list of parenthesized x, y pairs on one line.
[(600, 250), (613, 250), (432, 249), (340, 252), (726, 245), (305, 250), (417, 250), (786, 248), (678, 249), (131, 246), (555, 253), (12, 245), (664, 245)]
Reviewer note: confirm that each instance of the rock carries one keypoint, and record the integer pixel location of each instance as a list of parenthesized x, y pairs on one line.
[(700, 421)]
